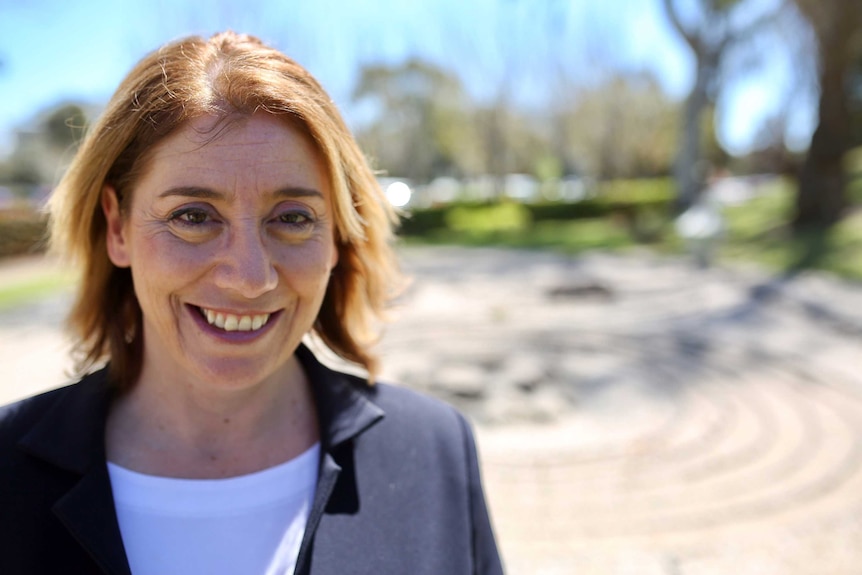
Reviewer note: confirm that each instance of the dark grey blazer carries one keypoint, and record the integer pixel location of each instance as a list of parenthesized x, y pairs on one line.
[(398, 489)]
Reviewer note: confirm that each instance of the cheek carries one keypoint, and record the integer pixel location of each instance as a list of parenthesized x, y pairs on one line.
[(161, 262), (308, 266)]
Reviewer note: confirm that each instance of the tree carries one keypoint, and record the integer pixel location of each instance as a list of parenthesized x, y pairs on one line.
[(821, 198), (421, 126), (64, 127), (41, 152), (718, 26), (624, 127)]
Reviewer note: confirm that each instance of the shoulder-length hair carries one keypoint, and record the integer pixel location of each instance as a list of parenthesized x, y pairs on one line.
[(227, 75)]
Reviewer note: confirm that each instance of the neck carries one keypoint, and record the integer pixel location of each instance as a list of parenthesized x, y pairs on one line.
[(184, 428)]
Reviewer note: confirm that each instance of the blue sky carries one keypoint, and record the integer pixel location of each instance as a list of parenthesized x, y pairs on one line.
[(54, 51)]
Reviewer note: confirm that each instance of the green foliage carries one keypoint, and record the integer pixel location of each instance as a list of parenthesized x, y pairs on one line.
[(64, 127), (631, 212), (644, 203), (548, 167), (573, 236), (501, 217), (425, 125), (580, 235), (419, 223), (41, 154), (421, 128), (23, 172), (853, 162), (624, 213), (854, 189), (625, 127), (638, 191)]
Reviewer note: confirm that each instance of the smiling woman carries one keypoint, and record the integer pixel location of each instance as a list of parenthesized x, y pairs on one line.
[(245, 232), (222, 212)]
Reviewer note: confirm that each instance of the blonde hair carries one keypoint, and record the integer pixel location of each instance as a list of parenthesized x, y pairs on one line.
[(227, 75)]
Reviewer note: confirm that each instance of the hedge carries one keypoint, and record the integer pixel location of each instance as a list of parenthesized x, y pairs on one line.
[(631, 201)]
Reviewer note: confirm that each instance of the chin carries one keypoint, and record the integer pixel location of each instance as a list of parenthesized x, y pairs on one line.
[(233, 374)]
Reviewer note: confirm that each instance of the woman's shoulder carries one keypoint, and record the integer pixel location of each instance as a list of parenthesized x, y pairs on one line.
[(19, 417), (405, 405), (410, 403), (413, 417)]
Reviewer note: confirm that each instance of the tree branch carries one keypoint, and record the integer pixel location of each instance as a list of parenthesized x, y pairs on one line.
[(691, 39), (755, 25)]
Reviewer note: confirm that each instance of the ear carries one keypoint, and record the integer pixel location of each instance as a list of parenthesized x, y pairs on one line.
[(334, 260), (118, 250)]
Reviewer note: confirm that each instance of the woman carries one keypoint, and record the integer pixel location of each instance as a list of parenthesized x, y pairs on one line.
[(222, 212)]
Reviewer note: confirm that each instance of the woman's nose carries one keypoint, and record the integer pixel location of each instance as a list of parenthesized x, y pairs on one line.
[(246, 266)]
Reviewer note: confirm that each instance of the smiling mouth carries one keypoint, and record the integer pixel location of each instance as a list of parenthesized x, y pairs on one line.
[(231, 322)]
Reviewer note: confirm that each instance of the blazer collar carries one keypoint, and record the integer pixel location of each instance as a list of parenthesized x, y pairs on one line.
[(345, 407), (71, 435)]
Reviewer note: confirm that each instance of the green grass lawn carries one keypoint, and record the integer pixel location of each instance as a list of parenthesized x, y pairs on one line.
[(757, 231), (573, 236), (31, 289)]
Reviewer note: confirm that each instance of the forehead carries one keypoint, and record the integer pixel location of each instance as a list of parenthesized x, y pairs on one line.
[(260, 151)]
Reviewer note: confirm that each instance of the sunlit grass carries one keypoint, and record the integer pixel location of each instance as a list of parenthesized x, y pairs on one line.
[(757, 231), (28, 290), (573, 236)]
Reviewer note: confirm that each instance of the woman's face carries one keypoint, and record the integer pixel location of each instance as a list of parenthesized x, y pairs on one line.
[(230, 241)]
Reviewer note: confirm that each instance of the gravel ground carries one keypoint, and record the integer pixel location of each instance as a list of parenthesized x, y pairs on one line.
[(635, 415)]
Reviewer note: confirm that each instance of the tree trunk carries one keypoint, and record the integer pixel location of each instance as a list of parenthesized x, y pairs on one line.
[(688, 170), (821, 200)]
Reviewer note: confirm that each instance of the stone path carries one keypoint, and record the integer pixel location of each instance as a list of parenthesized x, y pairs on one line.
[(634, 416), (638, 416)]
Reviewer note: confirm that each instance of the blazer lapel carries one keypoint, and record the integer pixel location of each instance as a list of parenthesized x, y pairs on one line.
[(326, 481), (87, 511), (71, 436), (344, 413)]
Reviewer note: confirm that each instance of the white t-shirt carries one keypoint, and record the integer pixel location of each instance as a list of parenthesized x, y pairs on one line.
[(247, 525)]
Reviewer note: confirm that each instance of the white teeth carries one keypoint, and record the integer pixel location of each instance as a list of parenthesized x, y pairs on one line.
[(230, 322)]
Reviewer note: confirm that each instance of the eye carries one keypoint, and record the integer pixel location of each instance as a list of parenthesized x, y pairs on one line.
[(294, 219), (190, 216)]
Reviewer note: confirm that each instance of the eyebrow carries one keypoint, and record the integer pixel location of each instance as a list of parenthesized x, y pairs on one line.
[(210, 194)]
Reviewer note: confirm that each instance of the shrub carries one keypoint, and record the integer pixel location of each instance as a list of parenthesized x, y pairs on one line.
[(640, 206), (502, 217)]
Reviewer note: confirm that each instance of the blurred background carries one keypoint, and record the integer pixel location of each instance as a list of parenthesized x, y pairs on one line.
[(546, 123), (634, 234)]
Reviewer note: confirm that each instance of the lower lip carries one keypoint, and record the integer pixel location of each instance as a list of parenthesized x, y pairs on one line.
[(231, 336)]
